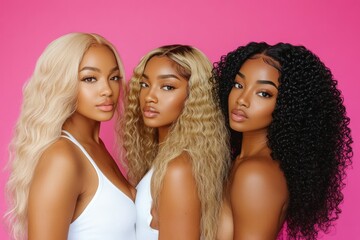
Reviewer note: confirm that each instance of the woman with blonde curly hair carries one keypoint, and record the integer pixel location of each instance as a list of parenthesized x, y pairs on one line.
[(175, 143), (64, 184)]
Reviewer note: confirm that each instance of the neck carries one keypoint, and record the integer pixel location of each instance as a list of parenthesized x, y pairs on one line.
[(254, 143), (82, 128), (162, 134)]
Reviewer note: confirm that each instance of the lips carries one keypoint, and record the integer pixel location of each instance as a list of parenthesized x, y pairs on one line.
[(107, 106), (149, 112), (238, 115)]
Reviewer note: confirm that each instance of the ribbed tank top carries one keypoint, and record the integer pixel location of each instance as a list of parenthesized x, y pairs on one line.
[(110, 215)]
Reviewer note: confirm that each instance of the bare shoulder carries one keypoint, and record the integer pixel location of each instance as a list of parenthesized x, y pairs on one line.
[(179, 206), (54, 190), (179, 185), (259, 171), (179, 169), (258, 197), (62, 154), (259, 179), (59, 162)]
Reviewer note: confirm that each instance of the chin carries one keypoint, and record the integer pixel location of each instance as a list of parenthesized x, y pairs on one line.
[(105, 118), (236, 127)]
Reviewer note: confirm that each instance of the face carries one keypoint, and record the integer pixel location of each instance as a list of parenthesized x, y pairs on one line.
[(163, 93), (253, 96), (99, 86)]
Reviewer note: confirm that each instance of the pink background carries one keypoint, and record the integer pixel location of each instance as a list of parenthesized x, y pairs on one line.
[(330, 28)]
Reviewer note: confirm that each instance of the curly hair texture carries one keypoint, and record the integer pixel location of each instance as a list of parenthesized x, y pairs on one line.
[(309, 134), (49, 98), (199, 131)]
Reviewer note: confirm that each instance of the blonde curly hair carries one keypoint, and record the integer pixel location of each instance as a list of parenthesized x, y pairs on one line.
[(49, 98), (199, 131)]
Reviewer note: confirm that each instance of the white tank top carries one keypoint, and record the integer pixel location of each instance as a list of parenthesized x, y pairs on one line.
[(143, 204), (110, 214)]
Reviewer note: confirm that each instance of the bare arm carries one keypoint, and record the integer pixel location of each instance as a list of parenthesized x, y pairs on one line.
[(258, 195), (179, 210), (53, 194)]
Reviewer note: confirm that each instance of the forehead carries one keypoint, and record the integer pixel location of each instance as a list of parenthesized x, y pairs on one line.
[(260, 68), (159, 61), (98, 54), (160, 65)]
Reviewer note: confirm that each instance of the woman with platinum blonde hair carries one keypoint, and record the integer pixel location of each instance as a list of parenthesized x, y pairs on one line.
[(63, 183), (175, 143)]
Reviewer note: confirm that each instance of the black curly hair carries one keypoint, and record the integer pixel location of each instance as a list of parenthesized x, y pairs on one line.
[(309, 134)]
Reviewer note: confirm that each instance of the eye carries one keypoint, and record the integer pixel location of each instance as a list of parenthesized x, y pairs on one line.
[(116, 78), (167, 88), (265, 94), (143, 85), (237, 85), (89, 79)]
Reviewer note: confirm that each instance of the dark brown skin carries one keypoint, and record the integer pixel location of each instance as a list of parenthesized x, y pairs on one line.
[(256, 195)]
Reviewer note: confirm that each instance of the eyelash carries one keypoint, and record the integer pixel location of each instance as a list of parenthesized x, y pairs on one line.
[(143, 85), (267, 95), (89, 79), (237, 85), (164, 87), (116, 78), (264, 94), (168, 87), (92, 79)]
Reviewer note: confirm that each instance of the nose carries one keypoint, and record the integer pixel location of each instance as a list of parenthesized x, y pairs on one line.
[(150, 95), (243, 99), (106, 90)]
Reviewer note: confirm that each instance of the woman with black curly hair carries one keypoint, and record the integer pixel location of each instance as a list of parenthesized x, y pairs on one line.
[(290, 142)]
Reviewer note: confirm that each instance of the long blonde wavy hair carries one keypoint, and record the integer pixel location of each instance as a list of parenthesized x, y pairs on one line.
[(49, 98), (199, 131)]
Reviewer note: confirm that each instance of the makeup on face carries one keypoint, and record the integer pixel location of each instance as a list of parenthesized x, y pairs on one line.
[(253, 96)]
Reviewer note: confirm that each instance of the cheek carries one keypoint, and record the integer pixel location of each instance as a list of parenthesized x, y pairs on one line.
[(266, 111), (176, 104), (83, 101), (83, 96), (141, 98), (87, 93), (232, 98), (115, 87), (181, 102)]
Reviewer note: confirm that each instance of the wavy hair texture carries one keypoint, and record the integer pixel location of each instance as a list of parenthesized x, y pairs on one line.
[(309, 134), (199, 131), (49, 98)]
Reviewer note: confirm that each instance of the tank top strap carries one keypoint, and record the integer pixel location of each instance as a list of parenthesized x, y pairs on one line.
[(70, 137)]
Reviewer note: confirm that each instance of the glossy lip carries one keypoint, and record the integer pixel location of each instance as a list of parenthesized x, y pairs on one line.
[(238, 115), (149, 112), (106, 106)]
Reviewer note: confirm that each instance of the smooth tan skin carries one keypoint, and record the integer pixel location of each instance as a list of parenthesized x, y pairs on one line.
[(164, 92), (179, 209), (256, 196), (64, 180)]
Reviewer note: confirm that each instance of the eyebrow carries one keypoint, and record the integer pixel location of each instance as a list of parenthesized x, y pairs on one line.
[(164, 76), (97, 69), (267, 82), (241, 75), (259, 81)]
